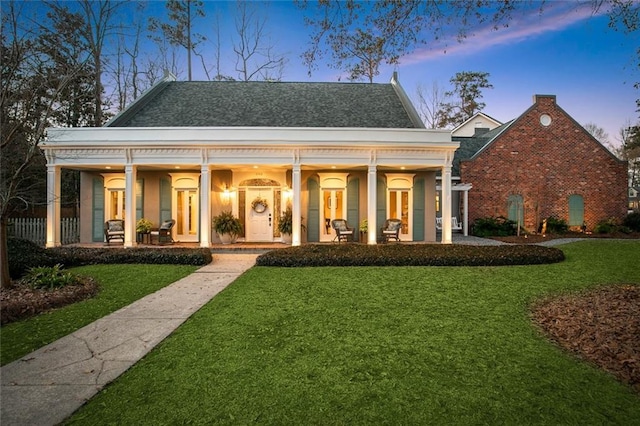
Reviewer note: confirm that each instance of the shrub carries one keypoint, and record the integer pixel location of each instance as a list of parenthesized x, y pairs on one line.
[(632, 221), (78, 256), (606, 226), (556, 225), (409, 255), (24, 254), (23, 301), (48, 277), (494, 227)]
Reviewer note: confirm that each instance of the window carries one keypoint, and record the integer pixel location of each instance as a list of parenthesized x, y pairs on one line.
[(576, 210), (515, 208)]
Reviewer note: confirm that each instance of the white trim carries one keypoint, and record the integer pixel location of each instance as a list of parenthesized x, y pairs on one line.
[(275, 136)]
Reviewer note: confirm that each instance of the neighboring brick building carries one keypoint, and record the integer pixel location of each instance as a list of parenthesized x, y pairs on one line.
[(544, 164)]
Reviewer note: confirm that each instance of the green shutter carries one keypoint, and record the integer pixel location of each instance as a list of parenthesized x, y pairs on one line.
[(418, 209), (576, 210), (313, 213), (98, 210), (353, 199), (515, 205), (381, 191), (139, 199), (165, 199)]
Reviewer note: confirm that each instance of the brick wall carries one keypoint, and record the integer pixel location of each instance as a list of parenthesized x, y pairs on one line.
[(545, 165)]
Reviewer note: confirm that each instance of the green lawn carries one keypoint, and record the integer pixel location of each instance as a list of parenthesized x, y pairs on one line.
[(378, 345), (120, 285)]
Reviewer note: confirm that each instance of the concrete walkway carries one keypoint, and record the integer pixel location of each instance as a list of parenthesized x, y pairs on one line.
[(48, 385)]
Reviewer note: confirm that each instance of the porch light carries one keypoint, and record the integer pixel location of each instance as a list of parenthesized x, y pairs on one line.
[(226, 194), (108, 167), (288, 193)]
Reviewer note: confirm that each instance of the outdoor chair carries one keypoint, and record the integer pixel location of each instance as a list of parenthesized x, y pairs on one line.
[(391, 230), (114, 230), (455, 225), (163, 233), (343, 232)]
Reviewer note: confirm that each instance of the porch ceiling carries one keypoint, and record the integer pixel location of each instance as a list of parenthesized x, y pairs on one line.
[(195, 168)]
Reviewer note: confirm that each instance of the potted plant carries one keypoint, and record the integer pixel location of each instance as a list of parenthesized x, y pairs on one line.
[(143, 227), (285, 225), (364, 228), (227, 226)]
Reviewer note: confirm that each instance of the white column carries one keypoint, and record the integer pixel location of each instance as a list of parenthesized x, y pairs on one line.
[(130, 172), (205, 206), (53, 205), (296, 208), (446, 204), (465, 224), (372, 202)]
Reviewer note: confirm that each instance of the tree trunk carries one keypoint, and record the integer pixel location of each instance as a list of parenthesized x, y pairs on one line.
[(5, 278)]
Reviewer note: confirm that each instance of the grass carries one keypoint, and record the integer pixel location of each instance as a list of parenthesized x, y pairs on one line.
[(378, 345), (119, 286)]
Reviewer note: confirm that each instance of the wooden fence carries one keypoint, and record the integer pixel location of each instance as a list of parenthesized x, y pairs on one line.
[(35, 229)]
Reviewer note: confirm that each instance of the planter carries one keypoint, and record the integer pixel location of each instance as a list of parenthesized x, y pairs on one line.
[(227, 238), (286, 238)]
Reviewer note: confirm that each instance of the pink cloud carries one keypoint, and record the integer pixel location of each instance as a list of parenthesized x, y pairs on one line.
[(555, 17)]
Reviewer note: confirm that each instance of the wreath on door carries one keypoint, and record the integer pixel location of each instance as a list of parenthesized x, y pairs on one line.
[(259, 204)]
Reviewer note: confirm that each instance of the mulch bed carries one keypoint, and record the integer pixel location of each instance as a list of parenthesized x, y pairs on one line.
[(539, 238), (22, 301), (601, 326)]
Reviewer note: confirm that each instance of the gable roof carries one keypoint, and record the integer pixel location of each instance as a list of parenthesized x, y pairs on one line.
[(269, 104), (467, 128), (496, 133)]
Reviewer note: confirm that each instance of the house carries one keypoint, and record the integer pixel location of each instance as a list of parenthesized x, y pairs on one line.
[(634, 199), (190, 150), (472, 135), (543, 164)]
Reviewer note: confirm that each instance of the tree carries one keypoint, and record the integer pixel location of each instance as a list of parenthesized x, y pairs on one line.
[(61, 41), (400, 27), (603, 137), (178, 31), (467, 90), (255, 56), (630, 151), (429, 104), (391, 29), (134, 69), (32, 89), (98, 25)]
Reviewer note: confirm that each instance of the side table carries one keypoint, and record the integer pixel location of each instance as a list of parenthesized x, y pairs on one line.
[(142, 236)]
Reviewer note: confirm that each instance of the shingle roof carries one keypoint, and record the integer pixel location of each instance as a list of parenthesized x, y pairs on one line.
[(220, 104)]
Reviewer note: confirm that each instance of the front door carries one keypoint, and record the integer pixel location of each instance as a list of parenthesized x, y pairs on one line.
[(400, 208), (187, 213), (259, 220), (115, 204), (333, 207)]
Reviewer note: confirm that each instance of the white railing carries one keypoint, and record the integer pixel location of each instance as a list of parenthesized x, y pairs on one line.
[(35, 229)]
